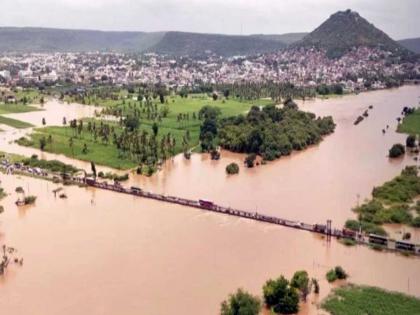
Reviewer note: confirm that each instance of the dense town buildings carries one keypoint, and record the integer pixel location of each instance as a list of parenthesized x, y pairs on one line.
[(359, 69)]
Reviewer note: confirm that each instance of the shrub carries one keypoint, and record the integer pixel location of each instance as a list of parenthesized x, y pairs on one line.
[(250, 159), (331, 276), (416, 222), (348, 242), (29, 200), (232, 168), (336, 273), (396, 150), (352, 225), (411, 141), (340, 273)]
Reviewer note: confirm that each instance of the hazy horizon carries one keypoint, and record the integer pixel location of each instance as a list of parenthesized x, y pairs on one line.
[(399, 20)]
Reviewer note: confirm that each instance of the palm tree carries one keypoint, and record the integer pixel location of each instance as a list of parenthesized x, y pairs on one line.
[(71, 145)]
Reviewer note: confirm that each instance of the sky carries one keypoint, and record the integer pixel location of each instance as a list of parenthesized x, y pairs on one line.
[(398, 18)]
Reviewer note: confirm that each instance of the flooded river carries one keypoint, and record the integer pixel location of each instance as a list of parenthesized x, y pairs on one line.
[(104, 253)]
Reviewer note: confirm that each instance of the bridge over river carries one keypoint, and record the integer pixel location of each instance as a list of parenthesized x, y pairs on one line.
[(377, 241)]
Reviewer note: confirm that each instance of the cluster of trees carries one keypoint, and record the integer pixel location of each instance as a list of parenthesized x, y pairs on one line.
[(398, 149), (324, 89), (209, 127), (140, 110), (95, 94), (280, 295), (54, 166), (257, 90), (273, 132), (139, 145)]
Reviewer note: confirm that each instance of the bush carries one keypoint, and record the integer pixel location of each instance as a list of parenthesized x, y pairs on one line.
[(340, 273), (336, 273), (416, 222), (352, 225), (348, 242), (411, 141), (232, 168), (396, 150), (29, 200), (250, 159), (331, 276), (25, 142), (113, 176)]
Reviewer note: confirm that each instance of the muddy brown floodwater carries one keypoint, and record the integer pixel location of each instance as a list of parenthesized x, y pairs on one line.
[(99, 252)]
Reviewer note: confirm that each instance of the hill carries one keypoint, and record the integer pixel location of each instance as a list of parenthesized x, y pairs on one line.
[(347, 29), (28, 39), (61, 40), (287, 38), (181, 43), (412, 44)]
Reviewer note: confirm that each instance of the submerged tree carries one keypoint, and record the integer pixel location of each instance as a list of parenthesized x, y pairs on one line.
[(241, 303), (280, 296), (300, 281)]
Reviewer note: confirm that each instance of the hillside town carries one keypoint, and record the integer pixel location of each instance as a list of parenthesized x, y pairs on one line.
[(360, 69)]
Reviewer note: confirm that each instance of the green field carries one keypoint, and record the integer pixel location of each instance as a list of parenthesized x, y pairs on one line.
[(352, 299), (98, 152), (107, 154), (31, 96), (411, 123), (16, 108), (14, 123)]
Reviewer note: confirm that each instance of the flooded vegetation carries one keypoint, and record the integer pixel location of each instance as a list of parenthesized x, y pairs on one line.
[(392, 202), (353, 299)]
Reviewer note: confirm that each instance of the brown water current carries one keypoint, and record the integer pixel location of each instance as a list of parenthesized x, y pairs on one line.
[(99, 252)]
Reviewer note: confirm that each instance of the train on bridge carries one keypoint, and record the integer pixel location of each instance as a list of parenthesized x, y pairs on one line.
[(325, 229)]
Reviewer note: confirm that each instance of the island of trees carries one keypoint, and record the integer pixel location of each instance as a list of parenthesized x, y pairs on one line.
[(271, 132)]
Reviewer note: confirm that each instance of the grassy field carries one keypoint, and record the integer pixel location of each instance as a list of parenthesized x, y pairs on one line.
[(11, 156), (14, 123), (411, 123), (16, 108), (108, 155), (352, 299), (99, 153), (31, 96)]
